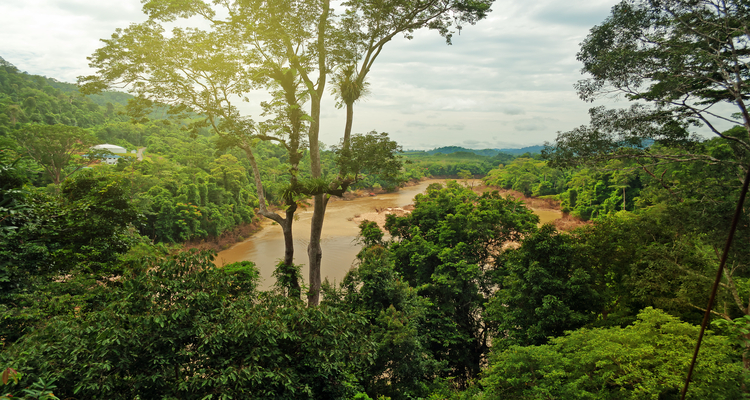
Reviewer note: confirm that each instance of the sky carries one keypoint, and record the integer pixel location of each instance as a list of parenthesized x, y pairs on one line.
[(506, 82)]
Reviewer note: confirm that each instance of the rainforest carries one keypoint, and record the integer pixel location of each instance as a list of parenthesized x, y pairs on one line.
[(118, 192)]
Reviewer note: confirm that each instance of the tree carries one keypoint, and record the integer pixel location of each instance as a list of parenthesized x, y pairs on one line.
[(682, 59), (224, 339), (685, 63), (371, 154), (57, 147), (402, 366), (76, 236), (446, 248), (348, 89), (283, 46), (368, 27), (643, 361), (548, 288), (190, 71)]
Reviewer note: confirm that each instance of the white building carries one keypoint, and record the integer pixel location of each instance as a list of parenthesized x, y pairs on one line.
[(111, 159)]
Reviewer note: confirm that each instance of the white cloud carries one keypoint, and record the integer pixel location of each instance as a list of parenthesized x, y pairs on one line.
[(507, 80)]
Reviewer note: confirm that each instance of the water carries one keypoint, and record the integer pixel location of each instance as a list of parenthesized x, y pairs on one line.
[(339, 238)]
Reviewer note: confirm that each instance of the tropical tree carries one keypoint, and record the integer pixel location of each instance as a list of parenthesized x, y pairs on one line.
[(645, 360), (402, 366), (225, 339), (682, 61), (367, 27), (60, 149), (286, 47), (547, 288), (348, 89), (446, 248), (78, 235)]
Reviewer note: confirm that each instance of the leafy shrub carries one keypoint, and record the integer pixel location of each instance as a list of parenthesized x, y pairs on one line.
[(647, 360)]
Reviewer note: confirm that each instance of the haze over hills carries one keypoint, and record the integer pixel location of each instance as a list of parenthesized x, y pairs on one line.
[(481, 152)]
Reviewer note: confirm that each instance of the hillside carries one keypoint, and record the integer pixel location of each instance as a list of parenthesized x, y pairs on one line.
[(482, 152)]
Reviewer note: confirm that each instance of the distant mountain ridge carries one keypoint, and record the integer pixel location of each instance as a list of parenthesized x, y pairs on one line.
[(486, 152), (101, 99)]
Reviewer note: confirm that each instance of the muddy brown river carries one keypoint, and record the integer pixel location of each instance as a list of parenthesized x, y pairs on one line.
[(339, 240)]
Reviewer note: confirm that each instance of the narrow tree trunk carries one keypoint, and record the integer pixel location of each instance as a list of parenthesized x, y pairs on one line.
[(348, 127), (286, 228), (314, 251), (285, 223)]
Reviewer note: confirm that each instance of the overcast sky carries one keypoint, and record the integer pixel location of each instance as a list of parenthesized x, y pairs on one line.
[(506, 82)]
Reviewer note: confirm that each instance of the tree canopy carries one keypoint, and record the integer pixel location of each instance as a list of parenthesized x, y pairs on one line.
[(682, 61), (287, 48)]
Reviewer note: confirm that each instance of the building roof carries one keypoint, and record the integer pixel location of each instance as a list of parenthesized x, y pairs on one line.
[(111, 147)]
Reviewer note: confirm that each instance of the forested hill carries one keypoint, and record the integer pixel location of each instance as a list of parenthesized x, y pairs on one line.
[(26, 98), (485, 152), (183, 189)]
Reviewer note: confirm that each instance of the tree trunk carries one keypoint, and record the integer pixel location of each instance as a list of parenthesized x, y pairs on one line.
[(285, 223), (348, 126), (288, 237), (314, 251)]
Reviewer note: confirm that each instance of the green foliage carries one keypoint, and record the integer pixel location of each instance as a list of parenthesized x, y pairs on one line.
[(205, 194), (39, 390), (528, 176), (423, 164), (402, 366), (647, 360), (372, 154), (445, 249), (287, 279), (548, 288), (26, 98), (179, 327), (75, 237), (666, 258), (370, 233), (56, 148), (12, 195)]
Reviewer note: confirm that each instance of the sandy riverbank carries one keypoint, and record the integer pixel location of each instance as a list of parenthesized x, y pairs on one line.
[(563, 223), (242, 232)]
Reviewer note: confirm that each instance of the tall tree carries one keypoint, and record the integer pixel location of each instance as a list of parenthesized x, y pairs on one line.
[(368, 27), (548, 288), (209, 72), (447, 249), (286, 47), (683, 61), (57, 148), (685, 64)]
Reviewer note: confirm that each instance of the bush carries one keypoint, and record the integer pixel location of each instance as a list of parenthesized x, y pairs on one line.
[(647, 360), (181, 328)]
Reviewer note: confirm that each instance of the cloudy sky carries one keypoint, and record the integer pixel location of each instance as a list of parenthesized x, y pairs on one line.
[(505, 83)]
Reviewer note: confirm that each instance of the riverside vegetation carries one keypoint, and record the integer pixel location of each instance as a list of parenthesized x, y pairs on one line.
[(467, 299)]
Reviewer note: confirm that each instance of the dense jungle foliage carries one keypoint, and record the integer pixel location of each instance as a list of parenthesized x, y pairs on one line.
[(448, 307), (465, 297)]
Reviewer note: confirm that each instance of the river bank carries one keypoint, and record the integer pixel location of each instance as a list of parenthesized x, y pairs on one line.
[(339, 237), (565, 222), (243, 232), (547, 209), (235, 235)]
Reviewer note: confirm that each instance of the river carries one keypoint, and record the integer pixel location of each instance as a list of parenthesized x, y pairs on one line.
[(339, 240)]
